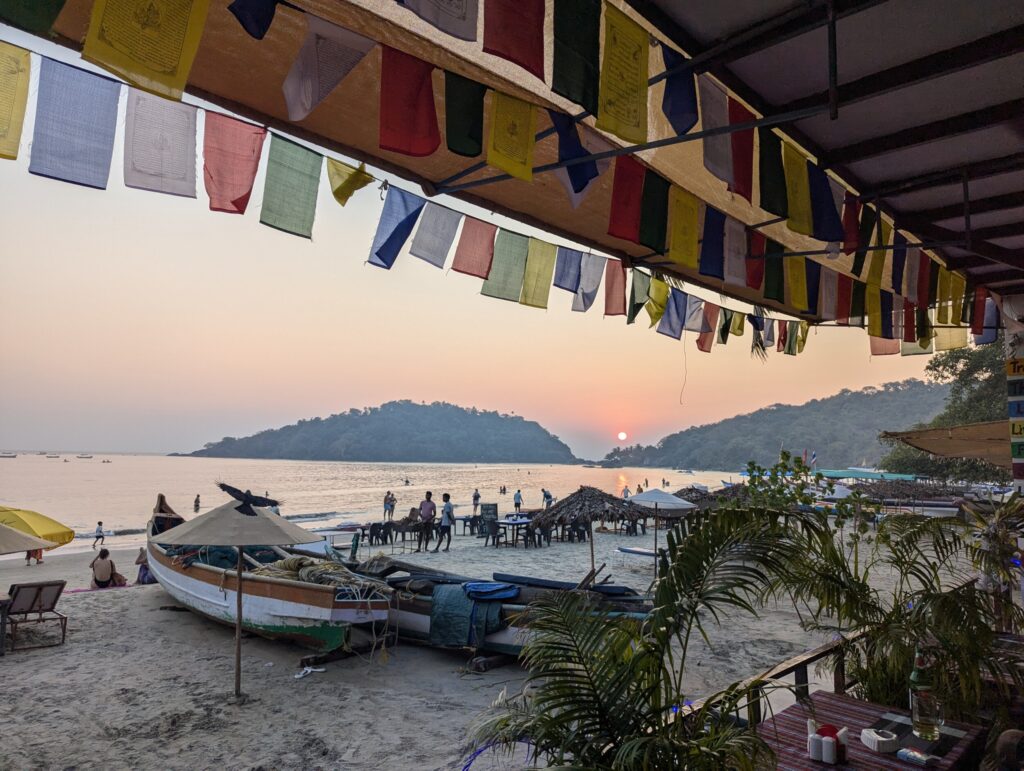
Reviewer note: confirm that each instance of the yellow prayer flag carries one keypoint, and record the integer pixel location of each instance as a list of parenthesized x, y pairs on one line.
[(684, 228), (540, 267), (876, 269), (622, 94), (947, 339), (14, 72), (796, 281), (738, 324), (873, 306), (151, 45), (957, 287), (801, 338), (798, 190), (346, 180), (513, 128), (657, 299), (942, 308)]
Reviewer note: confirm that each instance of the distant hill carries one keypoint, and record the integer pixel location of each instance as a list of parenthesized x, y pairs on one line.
[(404, 432), (842, 429)]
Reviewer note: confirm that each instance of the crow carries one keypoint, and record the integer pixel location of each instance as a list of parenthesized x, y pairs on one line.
[(247, 499)]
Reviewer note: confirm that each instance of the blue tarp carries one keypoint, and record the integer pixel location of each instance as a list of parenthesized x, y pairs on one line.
[(457, 621)]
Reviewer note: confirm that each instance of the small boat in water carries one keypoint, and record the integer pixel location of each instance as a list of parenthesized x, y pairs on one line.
[(8, 455), (83, 456), (53, 456)]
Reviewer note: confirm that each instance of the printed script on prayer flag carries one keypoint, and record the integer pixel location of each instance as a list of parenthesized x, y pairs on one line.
[(622, 104), (14, 77)]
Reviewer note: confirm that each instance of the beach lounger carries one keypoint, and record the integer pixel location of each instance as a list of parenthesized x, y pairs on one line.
[(35, 603)]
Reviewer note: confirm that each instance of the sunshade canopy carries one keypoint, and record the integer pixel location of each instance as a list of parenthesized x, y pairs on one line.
[(662, 499), (226, 526), (12, 541), (981, 441), (36, 524)]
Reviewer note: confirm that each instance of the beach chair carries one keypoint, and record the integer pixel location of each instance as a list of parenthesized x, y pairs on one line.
[(35, 603), (495, 532), (472, 524)]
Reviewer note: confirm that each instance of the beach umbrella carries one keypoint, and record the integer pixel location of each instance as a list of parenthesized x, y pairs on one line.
[(38, 525), (12, 541), (660, 500), (245, 521)]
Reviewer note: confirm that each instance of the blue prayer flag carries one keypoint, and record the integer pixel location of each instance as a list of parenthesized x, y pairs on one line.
[(671, 322), (812, 272), (712, 248), (255, 16), (567, 269), (569, 146), (679, 102), (401, 210), (886, 307), (826, 223), (899, 261)]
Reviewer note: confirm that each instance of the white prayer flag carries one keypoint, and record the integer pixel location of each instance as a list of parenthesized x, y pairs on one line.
[(327, 56), (160, 145)]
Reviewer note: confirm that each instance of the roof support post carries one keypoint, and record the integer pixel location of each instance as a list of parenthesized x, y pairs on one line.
[(966, 180), (833, 66)]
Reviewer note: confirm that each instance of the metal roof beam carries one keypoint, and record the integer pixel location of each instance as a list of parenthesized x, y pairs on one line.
[(999, 231), (967, 122), (978, 170), (978, 206)]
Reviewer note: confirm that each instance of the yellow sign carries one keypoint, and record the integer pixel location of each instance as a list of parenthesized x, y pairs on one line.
[(622, 95), (1016, 430), (1015, 367), (14, 71)]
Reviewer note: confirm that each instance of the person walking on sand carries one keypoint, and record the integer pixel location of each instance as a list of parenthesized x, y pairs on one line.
[(476, 500), (428, 510), (100, 538), (447, 522), (36, 554), (517, 501), (195, 505)]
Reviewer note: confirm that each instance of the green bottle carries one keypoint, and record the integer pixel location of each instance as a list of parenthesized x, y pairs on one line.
[(924, 706)]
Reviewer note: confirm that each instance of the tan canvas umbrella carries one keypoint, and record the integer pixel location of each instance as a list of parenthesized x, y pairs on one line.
[(659, 499), (12, 541), (239, 524)]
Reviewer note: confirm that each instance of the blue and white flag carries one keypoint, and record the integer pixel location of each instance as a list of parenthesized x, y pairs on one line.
[(591, 271), (567, 269), (401, 210), (672, 320)]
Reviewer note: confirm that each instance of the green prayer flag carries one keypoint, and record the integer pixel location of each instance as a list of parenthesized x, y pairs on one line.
[(508, 268), (654, 211), (925, 333), (463, 115), (638, 292), (868, 223), (289, 193), (773, 177), (35, 16), (724, 326), (933, 284), (857, 302), (792, 346), (576, 63), (540, 266), (774, 280)]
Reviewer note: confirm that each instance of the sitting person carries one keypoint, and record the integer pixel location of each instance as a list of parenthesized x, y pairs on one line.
[(144, 577), (102, 570)]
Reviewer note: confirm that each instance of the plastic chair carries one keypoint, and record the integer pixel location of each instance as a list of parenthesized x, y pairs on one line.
[(495, 533)]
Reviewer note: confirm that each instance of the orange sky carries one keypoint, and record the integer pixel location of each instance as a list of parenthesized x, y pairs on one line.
[(137, 321)]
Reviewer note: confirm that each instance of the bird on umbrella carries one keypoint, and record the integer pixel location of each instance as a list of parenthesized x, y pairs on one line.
[(247, 500)]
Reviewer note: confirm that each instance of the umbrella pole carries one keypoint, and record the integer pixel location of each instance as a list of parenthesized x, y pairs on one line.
[(655, 540), (591, 539), (238, 627)]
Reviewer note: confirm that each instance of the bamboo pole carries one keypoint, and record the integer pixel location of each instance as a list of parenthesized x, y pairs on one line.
[(238, 626)]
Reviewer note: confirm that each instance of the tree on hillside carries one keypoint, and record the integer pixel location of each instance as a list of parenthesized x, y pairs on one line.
[(977, 393)]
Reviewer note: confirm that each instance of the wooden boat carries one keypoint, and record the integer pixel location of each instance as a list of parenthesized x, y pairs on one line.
[(8, 455), (317, 616), (83, 456)]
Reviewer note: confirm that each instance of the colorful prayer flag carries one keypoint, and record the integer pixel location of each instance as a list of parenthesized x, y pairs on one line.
[(796, 281), (508, 268), (755, 259), (289, 192), (408, 120), (76, 114), (868, 222), (714, 113), (513, 128), (15, 67), (945, 297), (255, 16), (231, 156), (684, 224), (674, 315), (887, 304), (401, 210), (160, 145), (435, 234), (876, 269), (569, 146), (801, 336), (771, 173), (844, 298), (638, 291), (627, 197), (615, 288), (909, 325), (911, 269), (584, 173), (957, 289), (591, 270), (149, 45), (475, 252), (679, 101), (742, 145), (712, 248), (622, 103), (568, 264), (576, 62), (454, 17), (328, 54), (899, 261), (735, 250), (858, 303), (725, 317), (35, 16), (540, 265), (774, 282), (694, 314), (737, 324), (346, 180), (654, 211), (463, 115), (827, 224), (812, 272), (657, 300), (829, 294), (514, 30), (883, 347), (769, 334), (709, 327), (851, 222), (924, 277), (798, 194)]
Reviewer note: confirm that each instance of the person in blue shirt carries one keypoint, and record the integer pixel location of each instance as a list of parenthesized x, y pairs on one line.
[(517, 500), (447, 522)]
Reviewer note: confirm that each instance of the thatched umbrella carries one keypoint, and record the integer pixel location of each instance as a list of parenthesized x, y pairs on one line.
[(585, 505), (705, 500)]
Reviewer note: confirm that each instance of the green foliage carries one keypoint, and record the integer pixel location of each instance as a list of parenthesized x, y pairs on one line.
[(842, 429), (976, 377), (403, 431)]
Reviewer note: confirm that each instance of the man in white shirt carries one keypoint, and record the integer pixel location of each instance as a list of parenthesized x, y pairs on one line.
[(447, 522)]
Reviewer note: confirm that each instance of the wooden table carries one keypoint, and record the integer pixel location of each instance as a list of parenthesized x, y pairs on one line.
[(786, 734), (516, 523)]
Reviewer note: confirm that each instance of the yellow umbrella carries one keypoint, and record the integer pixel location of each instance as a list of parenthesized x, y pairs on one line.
[(12, 541), (37, 524)]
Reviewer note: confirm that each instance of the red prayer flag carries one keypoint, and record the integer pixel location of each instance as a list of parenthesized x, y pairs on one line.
[(978, 317), (782, 337), (475, 251), (909, 322), (851, 223), (755, 259), (408, 120), (514, 30), (844, 296), (924, 277), (231, 155), (627, 195), (709, 327), (742, 151), (614, 288)]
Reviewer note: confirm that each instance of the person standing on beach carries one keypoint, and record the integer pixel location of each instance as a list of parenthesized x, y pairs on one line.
[(625, 493), (447, 522), (387, 503), (99, 539), (195, 506), (476, 500), (36, 554), (517, 500), (428, 510)]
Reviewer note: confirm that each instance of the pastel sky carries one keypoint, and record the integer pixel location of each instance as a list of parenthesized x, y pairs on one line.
[(140, 322)]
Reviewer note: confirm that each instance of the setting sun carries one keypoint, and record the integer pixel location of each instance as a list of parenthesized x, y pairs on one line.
[(622, 436)]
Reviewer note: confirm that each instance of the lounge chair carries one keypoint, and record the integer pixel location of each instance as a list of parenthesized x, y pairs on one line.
[(34, 603)]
